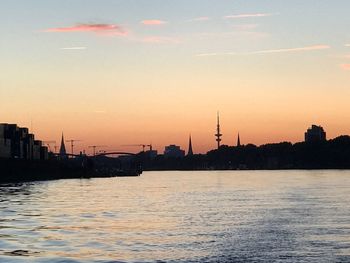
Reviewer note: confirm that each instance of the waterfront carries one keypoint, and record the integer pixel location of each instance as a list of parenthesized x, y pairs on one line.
[(226, 216)]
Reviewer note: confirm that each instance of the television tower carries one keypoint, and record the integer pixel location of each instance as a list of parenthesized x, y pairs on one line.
[(218, 135)]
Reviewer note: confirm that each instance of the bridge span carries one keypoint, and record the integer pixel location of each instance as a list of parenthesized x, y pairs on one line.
[(114, 153), (96, 155)]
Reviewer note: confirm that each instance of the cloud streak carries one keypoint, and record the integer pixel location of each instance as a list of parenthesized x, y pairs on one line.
[(199, 19), (102, 29), (153, 22), (238, 16), (345, 66), (234, 34), (308, 48), (268, 51)]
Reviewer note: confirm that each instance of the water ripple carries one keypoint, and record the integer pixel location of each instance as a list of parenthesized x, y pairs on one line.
[(258, 216)]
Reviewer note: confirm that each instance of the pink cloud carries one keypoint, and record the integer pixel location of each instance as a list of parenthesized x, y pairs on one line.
[(247, 15), (153, 22), (105, 29), (345, 66)]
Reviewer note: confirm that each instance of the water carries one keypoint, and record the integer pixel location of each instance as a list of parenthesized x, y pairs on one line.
[(235, 216)]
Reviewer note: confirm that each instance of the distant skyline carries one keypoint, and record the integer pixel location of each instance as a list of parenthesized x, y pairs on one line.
[(154, 71)]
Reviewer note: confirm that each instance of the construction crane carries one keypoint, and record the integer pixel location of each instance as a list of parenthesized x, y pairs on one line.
[(48, 144), (72, 144), (96, 146), (141, 145)]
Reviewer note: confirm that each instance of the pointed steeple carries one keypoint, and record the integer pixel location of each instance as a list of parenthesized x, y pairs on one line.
[(190, 150), (238, 141), (63, 152)]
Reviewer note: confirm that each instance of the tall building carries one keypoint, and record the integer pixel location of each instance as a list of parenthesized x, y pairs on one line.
[(238, 141), (16, 142), (173, 151), (218, 135), (315, 134), (190, 150), (63, 152), (5, 144)]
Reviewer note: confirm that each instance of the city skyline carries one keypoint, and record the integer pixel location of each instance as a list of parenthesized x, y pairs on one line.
[(313, 134), (149, 71)]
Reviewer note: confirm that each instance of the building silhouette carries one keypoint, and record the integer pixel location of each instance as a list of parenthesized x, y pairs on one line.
[(218, 135), (238, 141), (190, 150), (5, 143), (16, 142), (315, 134), (63, 152), (173, 151)]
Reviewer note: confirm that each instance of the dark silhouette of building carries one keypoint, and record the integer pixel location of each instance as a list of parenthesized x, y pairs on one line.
[(173, 151), (315, 134), (218, 135), (63, 152), (5, 144), (190, 150), (16, 142), (238, 141), (151, 154)]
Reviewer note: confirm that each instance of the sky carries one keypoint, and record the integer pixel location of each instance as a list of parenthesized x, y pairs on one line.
[(119, 72)]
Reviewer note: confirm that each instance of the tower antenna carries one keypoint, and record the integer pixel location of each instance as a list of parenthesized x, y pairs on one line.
[(218, 135)]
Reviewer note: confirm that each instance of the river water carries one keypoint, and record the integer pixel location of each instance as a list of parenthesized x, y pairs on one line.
[(228, 216)]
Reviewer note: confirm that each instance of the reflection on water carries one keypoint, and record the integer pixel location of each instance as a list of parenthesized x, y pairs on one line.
[(238, 216)]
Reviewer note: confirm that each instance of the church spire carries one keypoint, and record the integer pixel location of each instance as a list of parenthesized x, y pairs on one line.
[(238, 141), (190, 150), (218, 134), (63, 152)]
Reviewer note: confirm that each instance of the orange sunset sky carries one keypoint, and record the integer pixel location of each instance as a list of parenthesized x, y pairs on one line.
[(115, 72)]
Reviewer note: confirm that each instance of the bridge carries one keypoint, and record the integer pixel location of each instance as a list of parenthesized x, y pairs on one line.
[(96, 155), (114, 153)]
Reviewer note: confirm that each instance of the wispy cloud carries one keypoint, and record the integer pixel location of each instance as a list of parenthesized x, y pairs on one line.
[(161, 40), (247, 15), (298, 49), (347, 45), (345, 66), (74, 48), (153, 22), (233, 34), (209, 54), (199, 19), (268, 51), (102, 29)]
